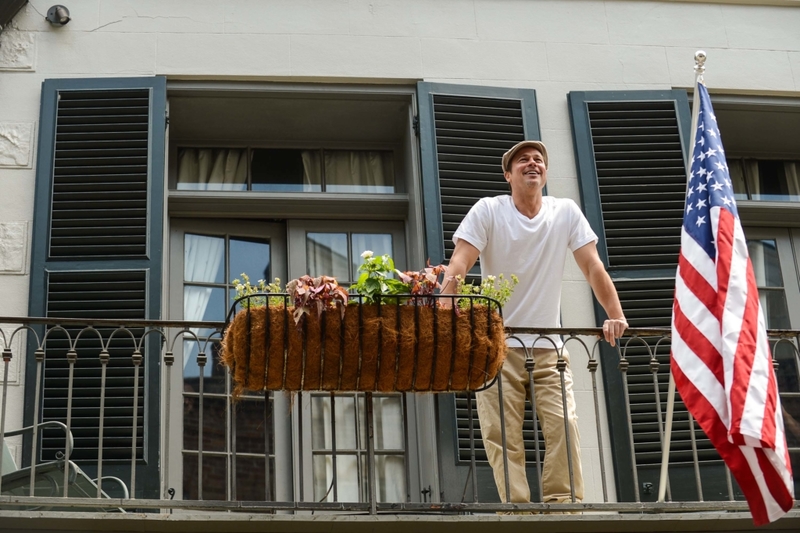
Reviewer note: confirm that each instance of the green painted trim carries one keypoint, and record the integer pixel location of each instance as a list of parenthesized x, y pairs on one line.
[(453, 474), (590, 199), (147, 472)]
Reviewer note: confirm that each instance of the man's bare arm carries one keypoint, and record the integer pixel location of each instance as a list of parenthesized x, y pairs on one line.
[(595, 272), (464, 256)]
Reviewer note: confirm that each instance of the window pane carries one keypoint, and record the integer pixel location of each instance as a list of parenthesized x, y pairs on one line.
[(206, 169), (773, 302), (203, 258), (285, 170), (388, 423), (390, 477), (358, 171), (347, 475), (204, 303), (250, 256), (736, 170), (766, 264), (378, 243), (326, 254), (787, 373), (776, 181), (321, 429), (214, 374)]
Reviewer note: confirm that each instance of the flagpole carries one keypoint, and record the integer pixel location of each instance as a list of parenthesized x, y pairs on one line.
[(699, 69)]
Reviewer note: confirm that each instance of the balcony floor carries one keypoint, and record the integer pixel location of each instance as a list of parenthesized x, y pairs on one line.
[(590, 521)]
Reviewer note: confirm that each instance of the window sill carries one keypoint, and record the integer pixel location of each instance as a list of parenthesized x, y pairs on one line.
[(781, 214), (242, 204)]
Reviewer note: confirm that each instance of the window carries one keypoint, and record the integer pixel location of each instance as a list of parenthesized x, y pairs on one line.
[(775, 258), (336, 248), (334, 171), (286, 170), (769, 180), (238, 439)]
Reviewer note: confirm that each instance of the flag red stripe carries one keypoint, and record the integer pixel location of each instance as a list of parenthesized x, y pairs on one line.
[(713, 427), (698, 342), (774, 481), (699, 286)]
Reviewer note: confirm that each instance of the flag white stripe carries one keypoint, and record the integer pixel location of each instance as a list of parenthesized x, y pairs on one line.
[(696, 311), (699, 258), (700, 376), (774, 510), (756, 400), (734, 308)]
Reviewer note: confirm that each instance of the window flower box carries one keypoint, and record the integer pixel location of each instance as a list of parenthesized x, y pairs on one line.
[(385, 347)]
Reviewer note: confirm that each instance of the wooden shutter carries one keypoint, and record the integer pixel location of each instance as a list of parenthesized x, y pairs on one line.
[(97, 253), (630, 147), (464, 132)]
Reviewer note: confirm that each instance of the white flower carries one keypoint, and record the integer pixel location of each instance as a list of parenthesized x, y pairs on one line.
[(491, 278), (367, 254), (240, 287)]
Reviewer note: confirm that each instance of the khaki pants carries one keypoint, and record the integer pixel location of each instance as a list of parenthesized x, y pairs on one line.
[(547, 391)]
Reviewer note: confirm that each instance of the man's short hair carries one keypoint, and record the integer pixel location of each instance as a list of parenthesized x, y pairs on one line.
[(539, 145)]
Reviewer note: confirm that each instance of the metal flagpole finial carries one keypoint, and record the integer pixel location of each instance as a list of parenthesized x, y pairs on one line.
[(699, 63)]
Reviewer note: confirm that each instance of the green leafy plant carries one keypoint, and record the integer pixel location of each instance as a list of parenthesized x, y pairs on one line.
[(496, 287), (375, 279), (245, 288), (320, 293)]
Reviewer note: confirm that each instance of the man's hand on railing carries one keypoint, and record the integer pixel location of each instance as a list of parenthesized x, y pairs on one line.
[(613, 328)]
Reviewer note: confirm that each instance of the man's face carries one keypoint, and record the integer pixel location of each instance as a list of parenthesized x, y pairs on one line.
[(527, 171)]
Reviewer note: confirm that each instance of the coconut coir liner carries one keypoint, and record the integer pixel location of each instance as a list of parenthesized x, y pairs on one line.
[(384, 348)]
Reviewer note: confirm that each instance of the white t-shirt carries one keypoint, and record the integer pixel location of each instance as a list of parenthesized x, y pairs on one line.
[(533, 249)]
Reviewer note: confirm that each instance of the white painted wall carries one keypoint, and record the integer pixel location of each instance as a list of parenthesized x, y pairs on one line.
[(551, 46)]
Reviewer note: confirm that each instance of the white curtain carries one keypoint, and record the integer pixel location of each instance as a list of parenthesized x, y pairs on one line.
[(312, 170), (753, 179), (208, 169), (736, 170), (793, 179), (202, 261), (358, 171)]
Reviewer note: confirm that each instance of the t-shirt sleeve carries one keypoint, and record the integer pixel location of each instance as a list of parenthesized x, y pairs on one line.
[(475, 227), (581, 232)]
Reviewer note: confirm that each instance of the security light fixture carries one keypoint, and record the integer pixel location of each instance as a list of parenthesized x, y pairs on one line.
[(58, 15)]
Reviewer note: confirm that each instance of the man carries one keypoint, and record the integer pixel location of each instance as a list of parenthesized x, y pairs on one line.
[(528, 234)]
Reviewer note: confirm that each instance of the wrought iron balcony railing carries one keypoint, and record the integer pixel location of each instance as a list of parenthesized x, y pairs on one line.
[(324, 450)]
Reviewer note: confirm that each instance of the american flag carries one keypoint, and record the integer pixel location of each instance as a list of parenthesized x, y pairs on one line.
[(720, 352)]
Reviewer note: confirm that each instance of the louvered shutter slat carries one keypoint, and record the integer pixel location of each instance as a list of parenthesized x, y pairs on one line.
[(97, 294), (100, 174)]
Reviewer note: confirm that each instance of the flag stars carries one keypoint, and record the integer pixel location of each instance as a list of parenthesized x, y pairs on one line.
[(701, 187), (700, 221), (702, 141), (717, 186), (720, 166), (726, 200), (701, 203), (688, 208), (710, 152), (712, 133), (709, 175)]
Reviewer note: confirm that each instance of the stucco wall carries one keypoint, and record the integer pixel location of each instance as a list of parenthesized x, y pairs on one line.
[(551, 46)]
